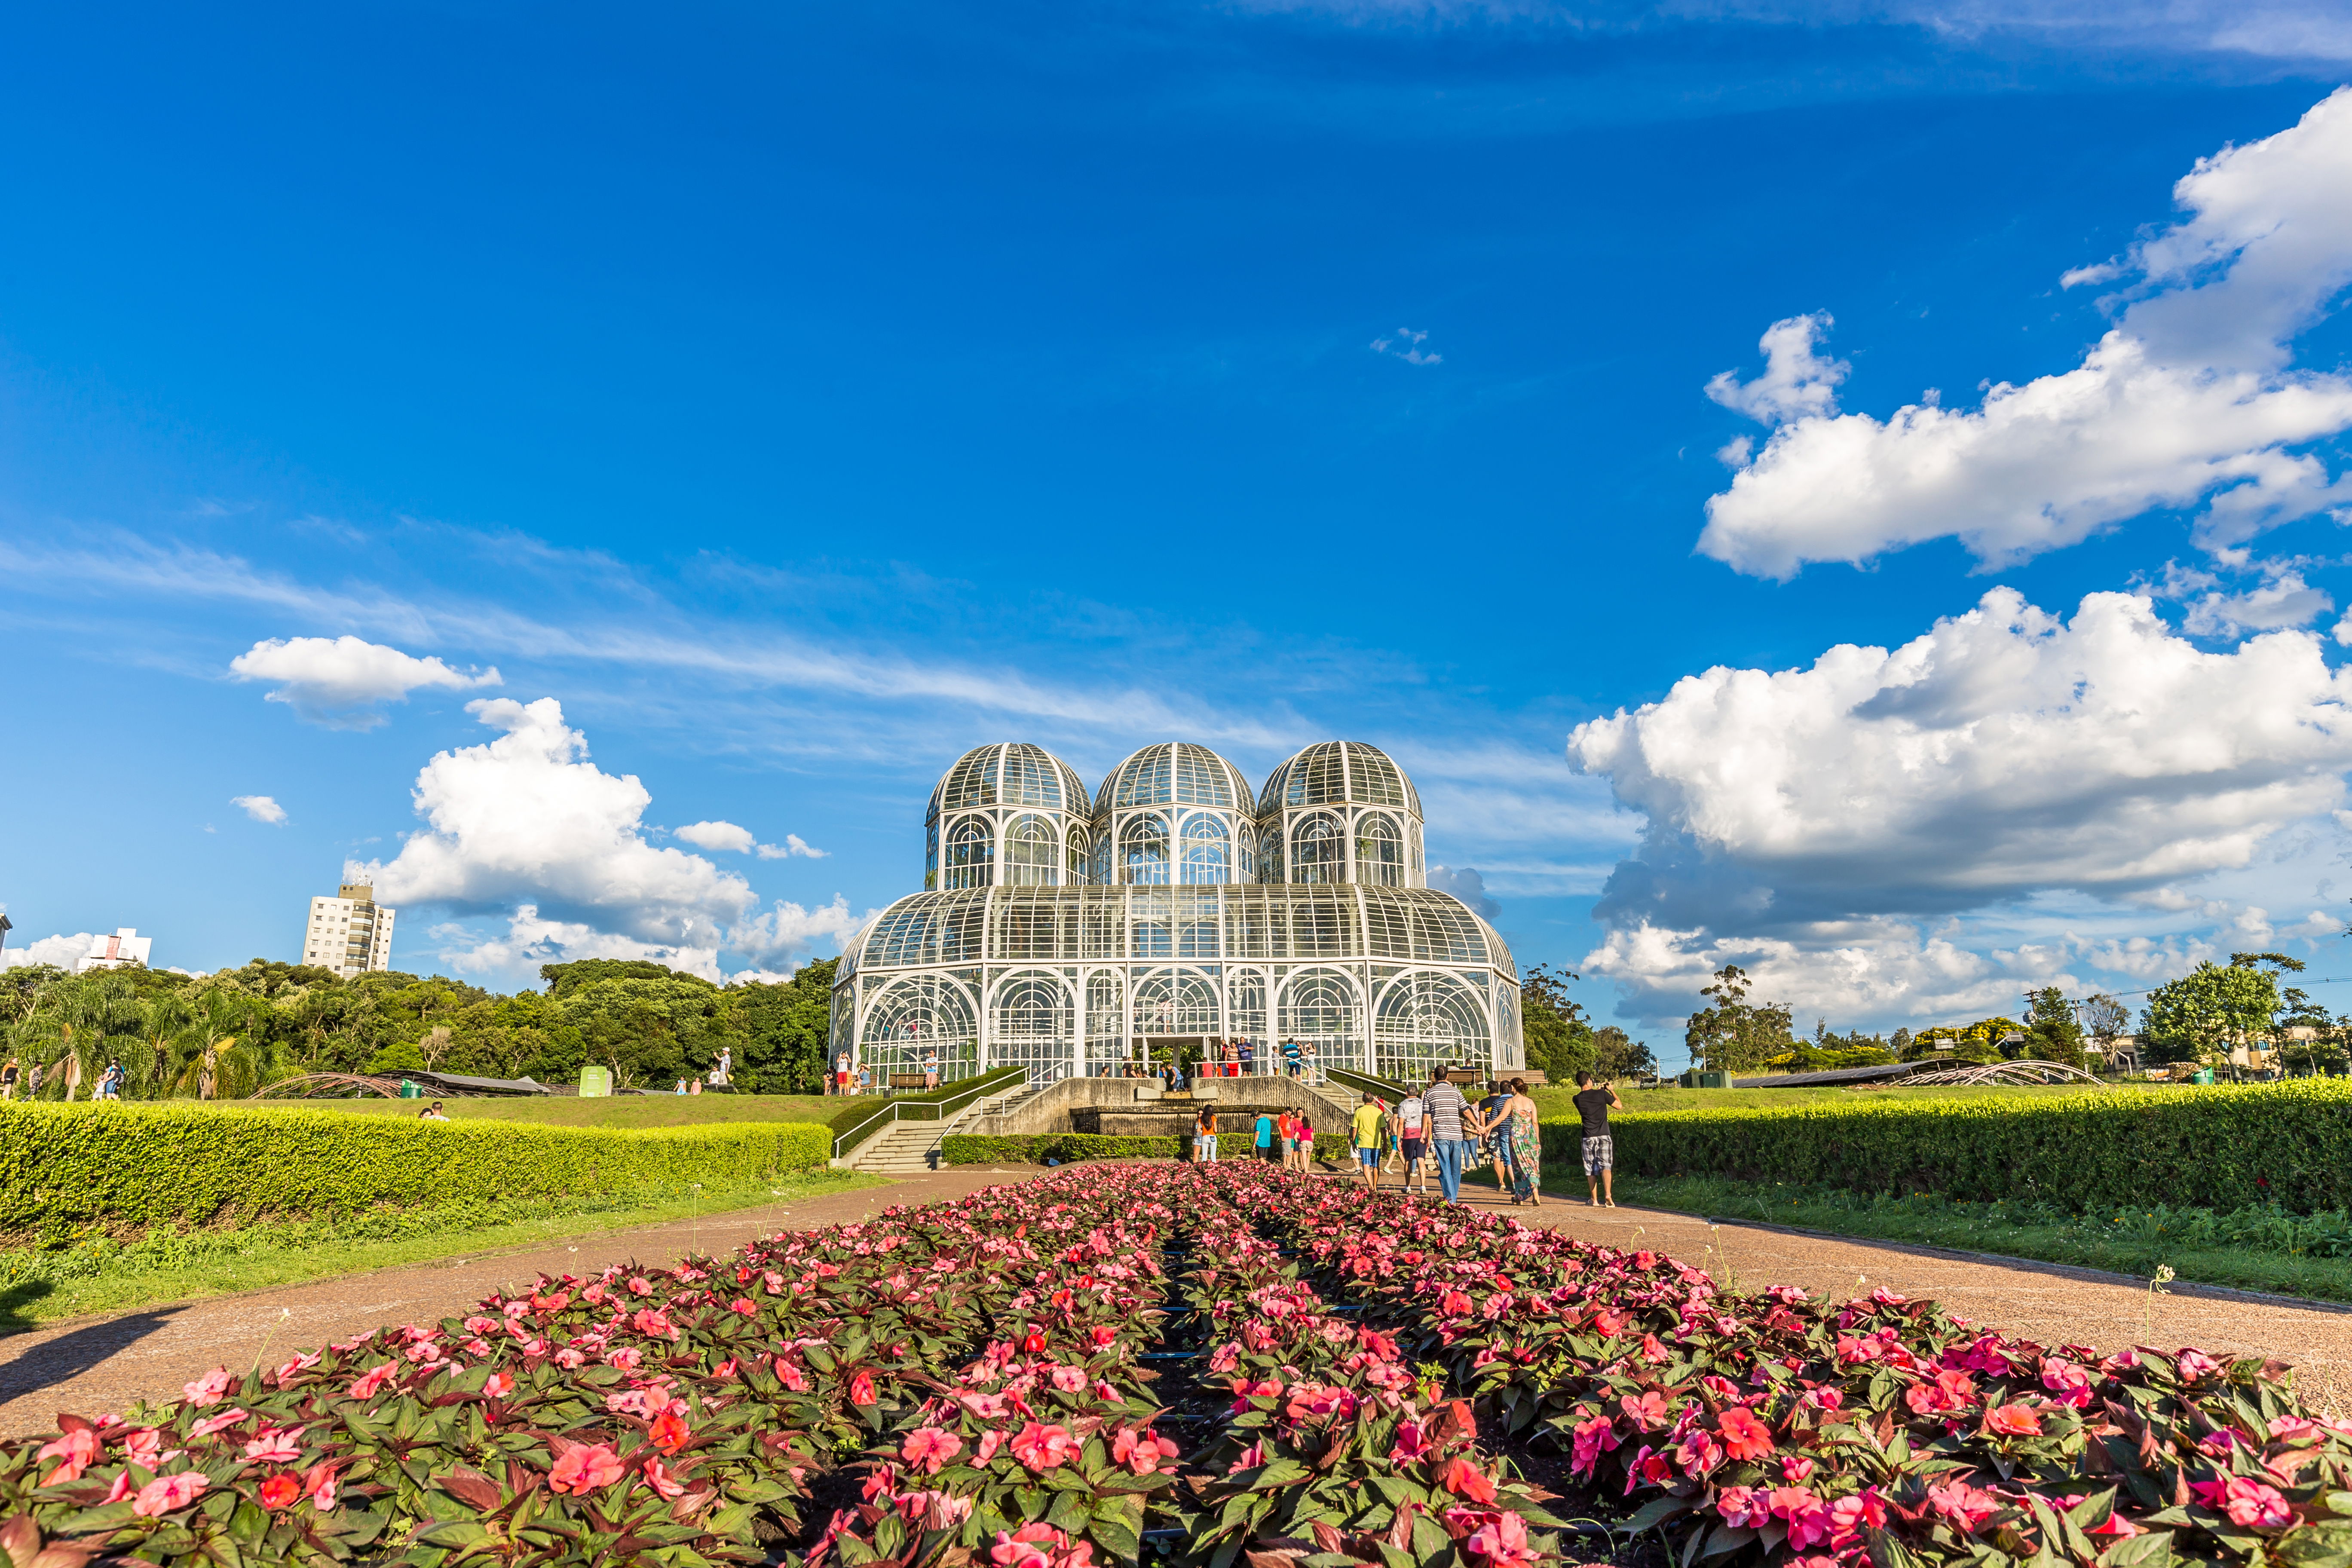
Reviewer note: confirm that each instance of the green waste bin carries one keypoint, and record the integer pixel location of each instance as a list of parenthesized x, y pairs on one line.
[(1714, 1081), (2202, 1074), (408, 1090)]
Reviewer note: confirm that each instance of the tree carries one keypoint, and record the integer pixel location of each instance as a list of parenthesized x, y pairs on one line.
[(1900, 1044), (1617, 1055), (2201, 1016), (1735, 1035), (2052, 1032), (1560, 1037), (2103, 1017)]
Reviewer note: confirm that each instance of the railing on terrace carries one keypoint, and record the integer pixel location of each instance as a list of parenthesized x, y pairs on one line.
[(931, 1105)]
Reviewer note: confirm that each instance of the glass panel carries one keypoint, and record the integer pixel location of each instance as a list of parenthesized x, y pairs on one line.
[(1143, 850), (1151, 931), (1245, 1003), (1176, 1002), (972, 781), (1318, 848), (1081, 850), (1033, 852), (971, 852), (1319, 1007), (1143, 778), (1030, 778), (1372, 778), (1380, 850), (1207, 850), (1196, 925)]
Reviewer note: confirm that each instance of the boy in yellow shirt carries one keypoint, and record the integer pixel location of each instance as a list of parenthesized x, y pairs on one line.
[(1371, 1124)]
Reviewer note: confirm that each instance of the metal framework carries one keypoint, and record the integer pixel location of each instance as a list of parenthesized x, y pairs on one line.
[(1307, 918), (2027, 1071)]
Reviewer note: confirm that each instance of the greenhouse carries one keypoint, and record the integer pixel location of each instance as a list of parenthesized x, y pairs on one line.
[(1090, 936)]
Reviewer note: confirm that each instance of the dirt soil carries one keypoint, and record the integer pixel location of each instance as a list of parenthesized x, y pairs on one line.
[(102, 1363)]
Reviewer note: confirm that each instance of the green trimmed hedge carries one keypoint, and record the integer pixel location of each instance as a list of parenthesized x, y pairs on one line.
[(1036, 1148), (2219, 1147), (132, 1166)]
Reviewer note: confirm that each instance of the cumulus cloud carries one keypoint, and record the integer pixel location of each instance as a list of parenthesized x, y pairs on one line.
[(528, 820), (2284, 599), (2190, 397), (1816, 816), (260, 807), (526, 829), (65, 952), (719, 836), (727, 838), (341, 681)]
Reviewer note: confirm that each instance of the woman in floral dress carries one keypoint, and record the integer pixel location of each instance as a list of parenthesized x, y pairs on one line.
[(1522, 1138)]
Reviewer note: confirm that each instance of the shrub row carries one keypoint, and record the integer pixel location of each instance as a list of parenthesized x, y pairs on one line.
[(1036, 1148), (2219, 1147), (131, 1166)]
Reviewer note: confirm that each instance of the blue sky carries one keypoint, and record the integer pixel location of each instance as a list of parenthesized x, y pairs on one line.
[(796, 399)]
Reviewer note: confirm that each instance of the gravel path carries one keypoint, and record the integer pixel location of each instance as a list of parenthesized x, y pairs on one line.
[(95, 1364)]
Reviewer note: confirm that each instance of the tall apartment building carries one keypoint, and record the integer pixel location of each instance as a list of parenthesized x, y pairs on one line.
[(350, 933)]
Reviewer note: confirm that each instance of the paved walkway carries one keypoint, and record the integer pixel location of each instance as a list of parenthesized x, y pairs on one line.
[(95, 1364), (104, 1364)]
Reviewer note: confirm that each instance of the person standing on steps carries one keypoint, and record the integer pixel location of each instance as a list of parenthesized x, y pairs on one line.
[(1370, 1126), (1443, 1109), (1594, 1104)]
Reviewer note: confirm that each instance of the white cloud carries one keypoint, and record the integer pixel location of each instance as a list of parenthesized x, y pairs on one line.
[(1405, 344), (719, 836), (2285, 600), (727, 838), (1465, 884), (1797, 383), (338, 681), (528, 820), (2190, 397), (260, 807), (531, 941), (65, 952), (1813, 817), (526, 829)]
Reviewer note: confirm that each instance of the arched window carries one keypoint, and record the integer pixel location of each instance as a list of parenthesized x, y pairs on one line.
[(1245, 1002), (1269, 856), (920, 1018), (1143, 851), (1319, 1005), (1175, 1002), (1425, 1018), (1318, 848), (1380, 850), (1208, 851), (1031, 1025), (971, 852), (1032, 853), (1107, 1047), (1080, 846)]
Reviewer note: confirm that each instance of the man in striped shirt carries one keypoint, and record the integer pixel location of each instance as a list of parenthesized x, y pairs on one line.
[(1443, 1107)]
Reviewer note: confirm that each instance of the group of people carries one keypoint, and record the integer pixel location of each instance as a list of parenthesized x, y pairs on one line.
[(1287, 1136), (1440, 1126)]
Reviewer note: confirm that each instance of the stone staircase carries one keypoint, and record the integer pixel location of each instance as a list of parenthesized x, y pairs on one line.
[(905, 1148)]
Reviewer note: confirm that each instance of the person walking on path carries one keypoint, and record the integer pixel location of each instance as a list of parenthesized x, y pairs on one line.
[(1442, 1112), (1520, 1138), (1204, 1137), (1412, 1131), (1369, 1125), (1265, 1131), (1594, 1104)]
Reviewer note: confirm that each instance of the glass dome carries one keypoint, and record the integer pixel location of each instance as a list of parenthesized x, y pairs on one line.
[(1174, 772), (1008, 814), (1338, 772)]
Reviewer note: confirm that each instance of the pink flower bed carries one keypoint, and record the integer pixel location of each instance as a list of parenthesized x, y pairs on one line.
[(969, 1380)]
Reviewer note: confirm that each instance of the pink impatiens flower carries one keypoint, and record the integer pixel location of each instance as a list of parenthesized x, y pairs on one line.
[(1745, 1436), (1140, 1449), (273, 1445), (76, 1452), (206, 1390), (2250, 1504), (167, 1493), (930, 1449), (2013, 1421), (585, 1467), (1749, 1506), (1043, 1448)]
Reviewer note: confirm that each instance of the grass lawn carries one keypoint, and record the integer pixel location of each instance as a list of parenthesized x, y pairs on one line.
[(1554, 1098), (44, 1287), (2252, 1249), (620, 1110)]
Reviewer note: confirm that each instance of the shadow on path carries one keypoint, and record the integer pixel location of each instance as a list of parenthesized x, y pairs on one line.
[(68, 1357)]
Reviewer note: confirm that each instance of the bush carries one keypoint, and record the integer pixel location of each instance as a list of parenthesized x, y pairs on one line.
[(2218, 1148), (130, 1166)]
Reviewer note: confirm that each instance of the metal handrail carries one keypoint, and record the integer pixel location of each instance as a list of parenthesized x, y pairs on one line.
[(1364, 1083), (900, 1109)]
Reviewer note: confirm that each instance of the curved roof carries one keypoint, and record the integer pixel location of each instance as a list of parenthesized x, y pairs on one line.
[(1010, 772), (1339, 772), (1234, 924), (1174, 772)]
